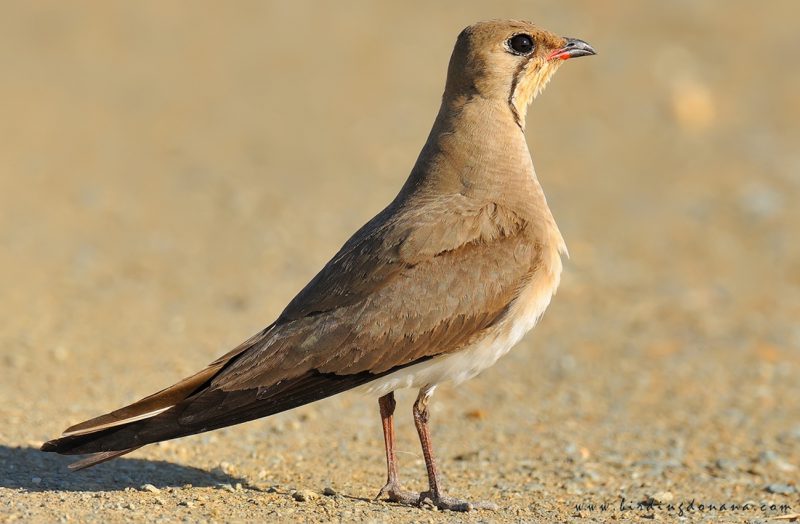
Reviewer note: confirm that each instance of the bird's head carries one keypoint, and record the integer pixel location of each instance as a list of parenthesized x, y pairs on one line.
[(508, 60)]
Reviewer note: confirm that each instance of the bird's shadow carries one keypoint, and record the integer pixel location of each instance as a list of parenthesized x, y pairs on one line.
[(29, 469)]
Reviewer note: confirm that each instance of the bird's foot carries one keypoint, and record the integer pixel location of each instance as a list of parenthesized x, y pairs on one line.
[(453, 504), (395, 493)]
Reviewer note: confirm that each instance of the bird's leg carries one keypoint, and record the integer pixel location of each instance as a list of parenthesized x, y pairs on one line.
[(421, 417), (434, 493), (392, 488)]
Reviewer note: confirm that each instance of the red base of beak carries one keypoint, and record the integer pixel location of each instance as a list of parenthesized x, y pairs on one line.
[(572, 49)]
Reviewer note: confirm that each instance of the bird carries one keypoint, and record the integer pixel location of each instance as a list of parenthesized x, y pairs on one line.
[(434, 289)]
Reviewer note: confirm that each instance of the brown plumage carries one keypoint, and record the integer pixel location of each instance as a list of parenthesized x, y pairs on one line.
[(435, 287)]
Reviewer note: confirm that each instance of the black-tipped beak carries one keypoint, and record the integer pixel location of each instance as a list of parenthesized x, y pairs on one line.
[(572, 49)]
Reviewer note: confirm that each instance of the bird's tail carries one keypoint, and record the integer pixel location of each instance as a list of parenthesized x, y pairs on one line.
[(95, 436), (98, 458), (195, 405), (207, 409)]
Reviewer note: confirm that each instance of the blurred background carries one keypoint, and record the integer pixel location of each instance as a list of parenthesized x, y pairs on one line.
[(171, 174)]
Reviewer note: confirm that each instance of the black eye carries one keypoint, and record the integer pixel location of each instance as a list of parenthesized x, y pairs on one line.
[(521, 44)]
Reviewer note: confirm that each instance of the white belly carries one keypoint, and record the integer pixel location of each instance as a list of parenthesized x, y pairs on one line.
[(464, 364)]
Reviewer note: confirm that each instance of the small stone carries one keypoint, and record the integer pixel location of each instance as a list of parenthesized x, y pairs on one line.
[(60, 354), (770, 459), (130, 506), (304, 495), (725, 464), (693, 105), (761, 201), (187, 503), (238, 486), (226, 487), (663, 497), (36, 480), (308, 416), (150, 488), (475, 414), (780, 489), (467, 455), (329, 492)]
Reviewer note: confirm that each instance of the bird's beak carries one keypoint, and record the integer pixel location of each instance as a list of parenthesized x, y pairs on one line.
[(572, 48)]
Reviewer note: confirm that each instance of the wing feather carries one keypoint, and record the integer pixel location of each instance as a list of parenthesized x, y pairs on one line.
[(402, 303)]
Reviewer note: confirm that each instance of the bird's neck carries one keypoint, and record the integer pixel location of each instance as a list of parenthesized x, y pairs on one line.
[(477, 149)]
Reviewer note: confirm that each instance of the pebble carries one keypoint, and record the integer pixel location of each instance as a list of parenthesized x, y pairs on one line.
[(773, 460), (329, 492), (36, 480), (187, 503), (693, 105), (304, 495), (224, 469), (780, 489), (60, 354), (468, 455), (534, 486), (760, 201), (663, 497), (475, 414), (150, 488)]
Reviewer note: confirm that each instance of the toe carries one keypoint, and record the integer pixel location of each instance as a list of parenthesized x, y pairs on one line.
[(394, 493), (404, 497), (454, 504)]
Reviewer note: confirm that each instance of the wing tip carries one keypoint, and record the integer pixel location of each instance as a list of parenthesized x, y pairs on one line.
[(49, 446), (100, 423)]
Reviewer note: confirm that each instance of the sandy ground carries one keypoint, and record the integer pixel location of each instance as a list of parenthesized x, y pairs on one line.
[(172, 173)]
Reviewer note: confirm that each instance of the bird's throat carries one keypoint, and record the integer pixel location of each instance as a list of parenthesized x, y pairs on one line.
[(529, 80)]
